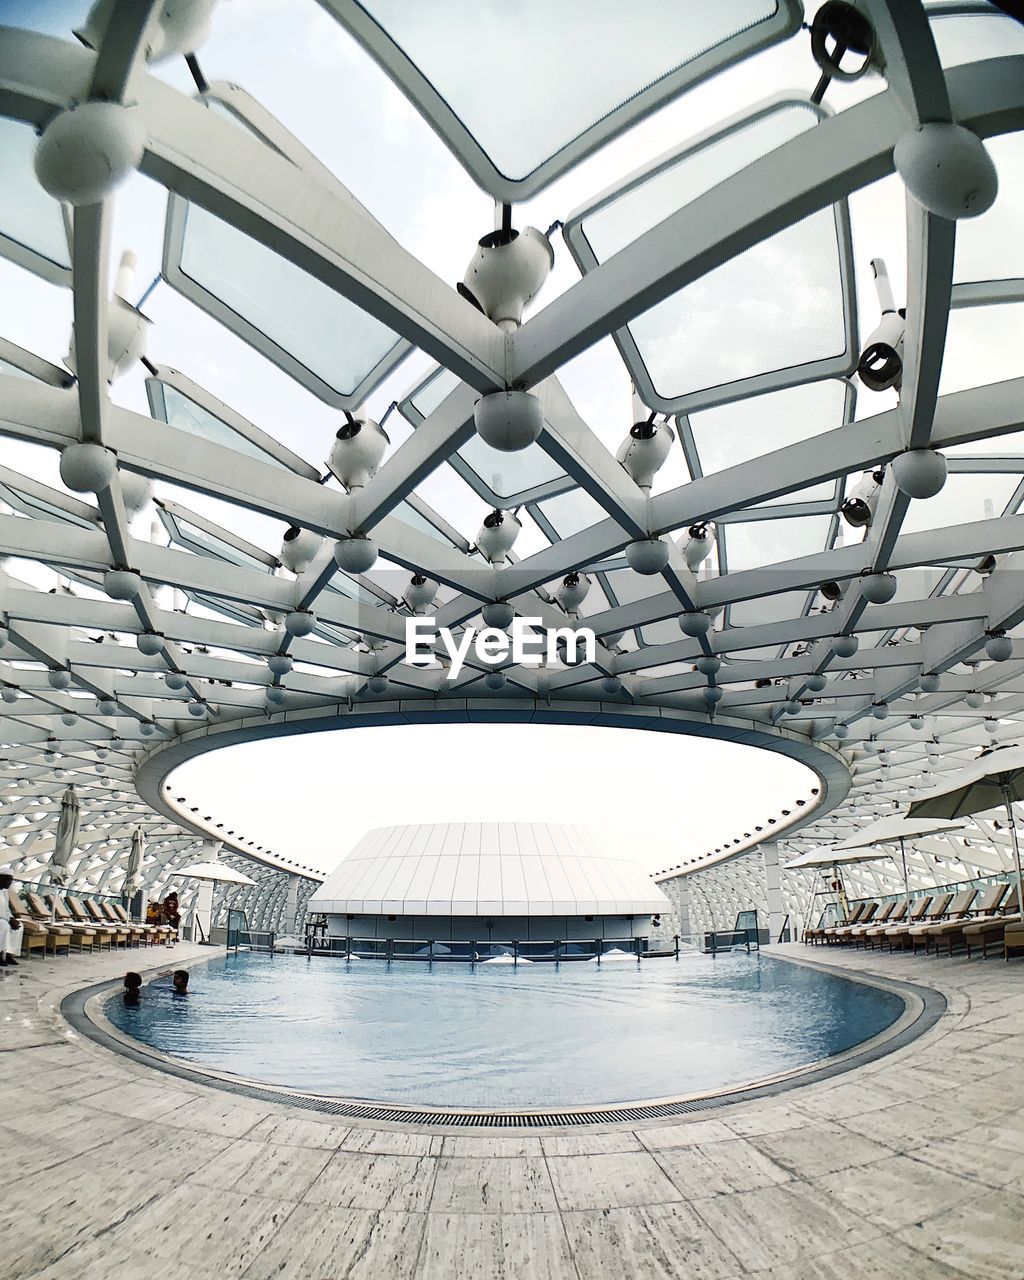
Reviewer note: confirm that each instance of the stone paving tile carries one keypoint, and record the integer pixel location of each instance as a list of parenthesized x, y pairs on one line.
[(497, 1144), (817, 1149), (589, 1144), (984, 1240), (784, 1225), (468, 1246), (898, 1191), (720, 1168), (691, 1134), (356, 1180), (610, 1181), (497, 1185), (317, 1242), (882, 1256), (390, 1142), (651, 1242), (260, 1168), (219, 1230), (296, 1131), (97, 1259), (997, 1163)]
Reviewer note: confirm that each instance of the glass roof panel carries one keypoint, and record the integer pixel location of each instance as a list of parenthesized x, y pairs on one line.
[(991, 247), (729, 434), (569, 513), (177, 410), (29, 219), (751, 544), (777, 608), (982, 346), (779, 305), (498, 477), (320, 338), (963, 499), (564, 107), (971, 37)]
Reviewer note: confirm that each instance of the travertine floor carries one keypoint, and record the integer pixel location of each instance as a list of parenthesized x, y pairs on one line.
[(910, 1166)]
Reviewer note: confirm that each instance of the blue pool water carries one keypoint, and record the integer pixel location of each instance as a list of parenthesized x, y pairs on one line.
[(491, 1036)]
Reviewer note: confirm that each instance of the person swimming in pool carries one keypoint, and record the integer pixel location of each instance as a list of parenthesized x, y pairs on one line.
[(132, 988), (178, 983)]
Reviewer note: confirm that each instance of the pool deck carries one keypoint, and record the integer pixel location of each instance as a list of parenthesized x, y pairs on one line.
[(913, 1163)]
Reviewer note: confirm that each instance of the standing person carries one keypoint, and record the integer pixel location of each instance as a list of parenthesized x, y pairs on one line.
[(10, 927)]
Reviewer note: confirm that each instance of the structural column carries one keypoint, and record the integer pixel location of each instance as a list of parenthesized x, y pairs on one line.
[(773, 891)]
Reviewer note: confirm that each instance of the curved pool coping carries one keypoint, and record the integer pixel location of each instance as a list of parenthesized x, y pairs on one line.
[(923, 1006)]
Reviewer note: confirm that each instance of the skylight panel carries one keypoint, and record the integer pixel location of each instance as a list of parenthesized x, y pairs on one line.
[(779, 314), (321, 339), (31, 223), (518, 113)]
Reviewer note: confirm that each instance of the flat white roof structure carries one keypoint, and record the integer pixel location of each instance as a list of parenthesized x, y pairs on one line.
[(487, 868)]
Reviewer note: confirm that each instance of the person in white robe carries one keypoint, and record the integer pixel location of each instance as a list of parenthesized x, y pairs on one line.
[(10, 930)]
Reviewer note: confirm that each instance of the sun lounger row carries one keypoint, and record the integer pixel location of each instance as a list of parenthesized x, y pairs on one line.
[(972, 920), (56, 922)]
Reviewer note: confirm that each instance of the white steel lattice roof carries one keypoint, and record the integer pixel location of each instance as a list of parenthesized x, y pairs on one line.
[(487, 868), (272, 369)]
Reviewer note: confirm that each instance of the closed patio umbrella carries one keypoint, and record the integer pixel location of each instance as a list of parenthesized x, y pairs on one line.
[(133, 875), (67, 837), (996, 778), (870, 843)]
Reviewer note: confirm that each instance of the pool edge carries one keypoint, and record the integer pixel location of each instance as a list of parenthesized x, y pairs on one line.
[(923, 1008)]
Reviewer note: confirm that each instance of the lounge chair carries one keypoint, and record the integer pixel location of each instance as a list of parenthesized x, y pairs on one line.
[(919, 911), (106, 934), (876, 932), (823, 934), (80, 933), (54, 936), (955, 914), (1013, 939), (985, 933), (843, 933), (122, 935), (151, 933), (858, 931), (951, 933), (137, 936)]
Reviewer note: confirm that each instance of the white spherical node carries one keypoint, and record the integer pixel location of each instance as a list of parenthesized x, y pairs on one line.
[(708, 664), (355, 555), (87, 467), (106, 707), (59, 679), (845, 646), (122, 584), (498, 613), (102, 753), (694, 624), (280, 663), (878, 588), (791, 707), (86, 152), (929, 682), (509, 420), (713, 694), (495, 680), (175, 681), (378, 684), (8, 694), (611, 685), (147, 729), (275, 694), (648, 556), (197, 708), (816, 682), (999, 648), (880, 710), (149, 644), (919, 473), (299, 622), (975, 699), (917, 722), (69, 718), (841, 730), (947, 169)]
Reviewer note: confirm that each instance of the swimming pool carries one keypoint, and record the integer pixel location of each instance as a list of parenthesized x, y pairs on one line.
[(536, 1036)]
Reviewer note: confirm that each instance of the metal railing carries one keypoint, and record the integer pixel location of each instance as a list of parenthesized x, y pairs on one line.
[(238, 934), (503, 951)]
